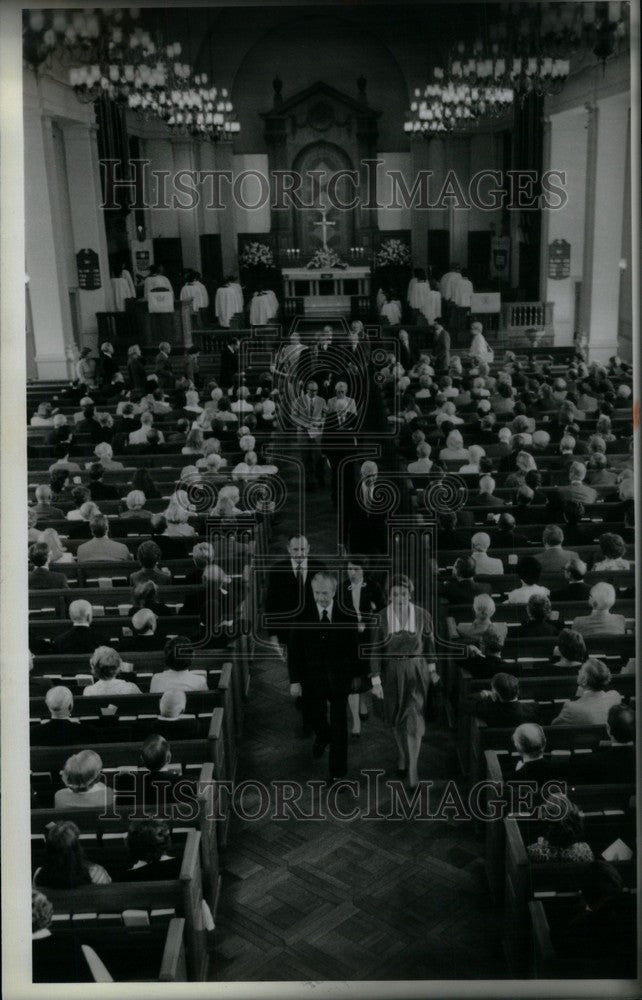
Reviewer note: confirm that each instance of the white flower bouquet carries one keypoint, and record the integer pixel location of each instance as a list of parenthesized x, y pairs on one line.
[(393, 252), (257, 255), (325, 258)]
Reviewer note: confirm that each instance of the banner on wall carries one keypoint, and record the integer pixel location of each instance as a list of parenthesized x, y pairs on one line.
[(500, 257), (559, 259)]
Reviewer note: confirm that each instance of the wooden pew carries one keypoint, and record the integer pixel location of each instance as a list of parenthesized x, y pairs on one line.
[(209, 802), (609, 819), (573, 960), (547, 691), (190, 755), (132, 954), (494, 833), (183, 895), (133, 706)]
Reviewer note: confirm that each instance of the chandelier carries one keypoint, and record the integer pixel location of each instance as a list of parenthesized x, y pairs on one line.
[(446, 107), (527, 52), (109, 55)]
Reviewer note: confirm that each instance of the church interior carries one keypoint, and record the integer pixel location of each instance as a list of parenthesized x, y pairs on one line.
[(331, 364)]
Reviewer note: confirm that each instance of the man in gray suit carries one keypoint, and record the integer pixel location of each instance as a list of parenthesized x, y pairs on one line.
[(101, 548)]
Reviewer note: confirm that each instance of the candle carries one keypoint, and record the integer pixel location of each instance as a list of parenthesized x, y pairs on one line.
[(615, 9), (588, 12)]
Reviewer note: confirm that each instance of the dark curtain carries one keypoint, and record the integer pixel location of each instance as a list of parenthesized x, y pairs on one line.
[(528, 145)]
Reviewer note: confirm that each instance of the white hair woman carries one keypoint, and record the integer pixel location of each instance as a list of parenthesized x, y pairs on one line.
[(483, 611), (58, 551), (454, 450)]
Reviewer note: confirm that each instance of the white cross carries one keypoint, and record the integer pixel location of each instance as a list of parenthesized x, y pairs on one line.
[(324, 225)]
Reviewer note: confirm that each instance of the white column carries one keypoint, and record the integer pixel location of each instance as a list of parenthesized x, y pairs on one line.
[(566, 144), (604, 273), (87, 220), (51, 315)]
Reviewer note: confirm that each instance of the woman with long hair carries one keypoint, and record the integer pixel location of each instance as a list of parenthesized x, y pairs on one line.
[(64, 864), (402, 669)]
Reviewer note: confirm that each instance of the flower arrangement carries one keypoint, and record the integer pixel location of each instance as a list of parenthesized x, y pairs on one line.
[(393, 252), (325, 258), (257, 255)]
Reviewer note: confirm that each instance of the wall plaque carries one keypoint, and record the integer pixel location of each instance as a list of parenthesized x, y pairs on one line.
[(559, 259), (88, 267)]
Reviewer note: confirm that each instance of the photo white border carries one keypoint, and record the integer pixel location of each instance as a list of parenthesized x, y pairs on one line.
[(16, 927)]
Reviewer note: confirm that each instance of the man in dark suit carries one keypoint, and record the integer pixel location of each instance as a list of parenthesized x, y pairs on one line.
[(171, 722), (450, 534), (81, 637), (504, 536), (368, 526), (41, 577), (461, 588), (614, 764), (61, 729), (323, 358), (163, 367), (441, 347), (106, 366), (529, 740), (43, 505), (575, 589), (97, 489), (229, 363), (325, 668), (289, 590), (486, 496), (500, 707)]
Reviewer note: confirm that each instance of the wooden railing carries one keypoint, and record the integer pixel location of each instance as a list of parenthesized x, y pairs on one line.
[(525, 315)]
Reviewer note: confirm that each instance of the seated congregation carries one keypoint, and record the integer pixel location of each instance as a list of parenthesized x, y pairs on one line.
[(154, 559)]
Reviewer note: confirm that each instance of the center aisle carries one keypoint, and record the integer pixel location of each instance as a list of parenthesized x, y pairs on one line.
[(310, 899)]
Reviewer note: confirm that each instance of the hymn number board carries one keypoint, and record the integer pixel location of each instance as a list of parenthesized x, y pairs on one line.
[(88, 267), (559, 259)]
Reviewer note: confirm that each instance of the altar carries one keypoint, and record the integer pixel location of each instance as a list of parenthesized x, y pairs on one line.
[(326, 291)]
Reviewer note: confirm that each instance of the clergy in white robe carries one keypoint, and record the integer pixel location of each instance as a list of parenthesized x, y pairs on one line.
[(410, 294), (428, 302), (226, 304), (448, 280), (158, 292), (263, 308), (130, 283), (392, 312), (120, 291), (204, 299), (191, 294)]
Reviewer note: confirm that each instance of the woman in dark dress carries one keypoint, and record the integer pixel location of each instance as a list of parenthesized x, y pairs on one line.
[(402, 668), (361, 594)]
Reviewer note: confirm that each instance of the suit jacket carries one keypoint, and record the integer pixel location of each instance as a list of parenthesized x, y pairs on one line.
[(180, 729), (572, 592), (44, 579), (554, 560), (103, 550), (541, 770), (441, 349), (507, 539), (308, 413), (137, 374), (61, 732), (78, 639), (488, 500), (590, 709), (503, 714), (103, 491), (537, 629), (371, 598), (323, 657), (164, 371), (285, 595), (106, 368), (600, 623), (229, 366), (578, 491)]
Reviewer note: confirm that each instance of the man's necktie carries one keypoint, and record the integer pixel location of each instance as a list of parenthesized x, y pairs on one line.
[(299, 572), (324, 616)]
